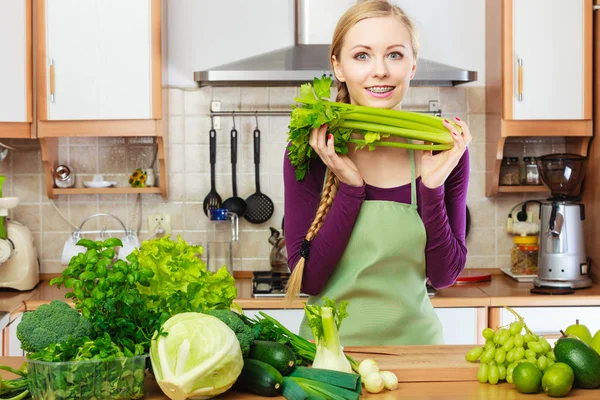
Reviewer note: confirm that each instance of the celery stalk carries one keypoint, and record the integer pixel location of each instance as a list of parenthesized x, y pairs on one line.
[(400, 145), (392, 130), (401, 123)]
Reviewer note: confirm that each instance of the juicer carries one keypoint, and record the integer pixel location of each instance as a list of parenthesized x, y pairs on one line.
[(19, 265), (562, 261)]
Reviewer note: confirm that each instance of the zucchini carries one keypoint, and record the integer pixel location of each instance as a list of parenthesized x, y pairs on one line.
[(275, 354), (259, 378)]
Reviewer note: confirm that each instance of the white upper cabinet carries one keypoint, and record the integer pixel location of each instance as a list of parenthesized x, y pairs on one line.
[(549, 59), (98, 61), (15, 64)]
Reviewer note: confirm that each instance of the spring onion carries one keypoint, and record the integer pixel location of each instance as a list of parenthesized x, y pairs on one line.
[(344, 120)]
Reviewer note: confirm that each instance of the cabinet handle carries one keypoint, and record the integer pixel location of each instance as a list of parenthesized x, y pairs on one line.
[(520, 64), (52, 80)]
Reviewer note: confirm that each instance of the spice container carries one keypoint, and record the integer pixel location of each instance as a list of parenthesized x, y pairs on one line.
[(524, 255), (530, 174), (63, 177), (510, 172)]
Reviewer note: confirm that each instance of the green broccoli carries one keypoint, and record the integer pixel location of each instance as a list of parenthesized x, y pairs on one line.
[(51, 323), (243, 332)]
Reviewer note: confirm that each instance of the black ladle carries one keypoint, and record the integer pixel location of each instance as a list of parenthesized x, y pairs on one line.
[(260, 206), (234, 204), (212, 199)]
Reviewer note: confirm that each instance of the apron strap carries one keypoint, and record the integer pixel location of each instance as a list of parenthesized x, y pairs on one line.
[(413, 183)]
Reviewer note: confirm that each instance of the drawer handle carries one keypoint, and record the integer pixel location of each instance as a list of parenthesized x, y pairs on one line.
[(520, 83), (52, 80)]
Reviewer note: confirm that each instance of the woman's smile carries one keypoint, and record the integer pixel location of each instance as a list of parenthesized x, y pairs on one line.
[(381, 92)]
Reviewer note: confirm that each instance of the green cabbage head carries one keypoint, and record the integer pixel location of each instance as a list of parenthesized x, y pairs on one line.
[(199, 358)]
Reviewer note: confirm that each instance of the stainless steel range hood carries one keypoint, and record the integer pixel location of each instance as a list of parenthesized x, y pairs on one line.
[(302, 62)]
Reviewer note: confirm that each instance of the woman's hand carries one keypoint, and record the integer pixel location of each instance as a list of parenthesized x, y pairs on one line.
[(340, 165), (435, 169)]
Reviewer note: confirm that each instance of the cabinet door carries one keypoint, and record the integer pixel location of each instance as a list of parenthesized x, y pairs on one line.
[(549, 321), (291, 319), (98, 59), (548, 47), (460, 325), (15, 68)]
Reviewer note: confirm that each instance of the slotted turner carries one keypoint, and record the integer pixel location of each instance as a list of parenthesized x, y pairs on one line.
[(260, 207)]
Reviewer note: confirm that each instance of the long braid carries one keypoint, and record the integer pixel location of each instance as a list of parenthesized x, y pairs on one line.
[(327, 195)]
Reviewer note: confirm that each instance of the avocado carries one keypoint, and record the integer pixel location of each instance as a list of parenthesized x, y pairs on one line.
[(584, 361)]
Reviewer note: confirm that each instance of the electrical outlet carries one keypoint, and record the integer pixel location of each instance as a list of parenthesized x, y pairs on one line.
[(159, 221)]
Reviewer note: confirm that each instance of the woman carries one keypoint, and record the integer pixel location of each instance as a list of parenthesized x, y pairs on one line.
[(379, 223)]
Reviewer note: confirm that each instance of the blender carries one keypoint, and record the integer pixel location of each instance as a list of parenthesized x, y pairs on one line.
[(562, 261)]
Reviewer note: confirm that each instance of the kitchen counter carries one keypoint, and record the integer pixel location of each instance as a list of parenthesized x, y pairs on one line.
[(425, 372), (501, 290)]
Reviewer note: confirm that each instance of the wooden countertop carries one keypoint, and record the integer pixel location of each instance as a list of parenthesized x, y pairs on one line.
[(501, 290), (424, 372)]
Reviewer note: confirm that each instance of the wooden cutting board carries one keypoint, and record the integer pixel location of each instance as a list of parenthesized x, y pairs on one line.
[(421, 363)]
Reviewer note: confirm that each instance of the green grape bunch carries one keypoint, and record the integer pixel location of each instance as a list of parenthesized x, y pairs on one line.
[(508, 346)]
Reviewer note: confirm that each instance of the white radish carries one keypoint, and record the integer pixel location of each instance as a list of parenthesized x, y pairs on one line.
[(374, 382), (390, 380)]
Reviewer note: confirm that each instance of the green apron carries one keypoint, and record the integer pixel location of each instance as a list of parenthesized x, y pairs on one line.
[(382, 276)]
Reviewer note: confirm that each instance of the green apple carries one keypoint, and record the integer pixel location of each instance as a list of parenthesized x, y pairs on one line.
[(596, 342), (581, 331)]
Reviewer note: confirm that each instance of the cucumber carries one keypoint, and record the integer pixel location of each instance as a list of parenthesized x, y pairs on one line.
[(275, 354), (584, 361), (259, 378)]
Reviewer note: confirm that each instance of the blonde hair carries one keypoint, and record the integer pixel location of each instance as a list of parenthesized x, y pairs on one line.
[(363, 10)]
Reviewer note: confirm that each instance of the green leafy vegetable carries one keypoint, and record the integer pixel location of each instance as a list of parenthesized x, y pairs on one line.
[(180, 280), (106, 293), (50, 324), (344, 120)]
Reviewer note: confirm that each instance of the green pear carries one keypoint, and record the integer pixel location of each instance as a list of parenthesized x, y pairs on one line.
[(596, 342), (581, 331)]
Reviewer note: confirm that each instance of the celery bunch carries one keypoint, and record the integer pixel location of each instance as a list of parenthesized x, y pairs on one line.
[(375, 124)]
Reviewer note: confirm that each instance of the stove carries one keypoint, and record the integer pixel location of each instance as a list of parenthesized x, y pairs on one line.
[(270, 284)]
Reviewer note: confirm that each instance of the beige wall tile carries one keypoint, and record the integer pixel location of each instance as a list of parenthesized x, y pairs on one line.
[(477, 157), (255, 244), (453, 100), (51, 267), (196, 129), (112, 160), (476, 99), (27, 162), (52, 245), (51, 221), (175, 101), (197, 102), (254, 98), (139, 157), (477, 127), (28, 215), (196, 158), (28, 188), (505, 242), (176, 187), (281, 98), (230, 97), (79, 212), (84, 160), (176, 129), (483, 213), (420, 97), (482, 241), (475, 262)]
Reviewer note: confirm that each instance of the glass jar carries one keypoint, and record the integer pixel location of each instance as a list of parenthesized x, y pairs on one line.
[(510, 172), (222, 240), (530, 174), (63, 177), (524, 255)]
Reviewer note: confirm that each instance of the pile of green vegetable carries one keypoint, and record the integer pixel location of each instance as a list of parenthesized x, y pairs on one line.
[(344, 120), (120, 306)]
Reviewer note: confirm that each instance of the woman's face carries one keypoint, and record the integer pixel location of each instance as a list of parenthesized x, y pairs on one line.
[(376, 62)]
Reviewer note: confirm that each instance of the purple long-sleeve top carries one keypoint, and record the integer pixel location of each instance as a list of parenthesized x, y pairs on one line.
[(442, 209)]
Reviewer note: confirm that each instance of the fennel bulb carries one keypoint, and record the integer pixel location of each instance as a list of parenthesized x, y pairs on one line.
[(199, 358), (325, 321)]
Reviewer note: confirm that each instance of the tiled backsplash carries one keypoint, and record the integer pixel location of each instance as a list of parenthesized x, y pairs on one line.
[(189, 173)]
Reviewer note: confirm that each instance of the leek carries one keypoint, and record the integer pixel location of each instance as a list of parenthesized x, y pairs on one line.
[(344, 119)]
